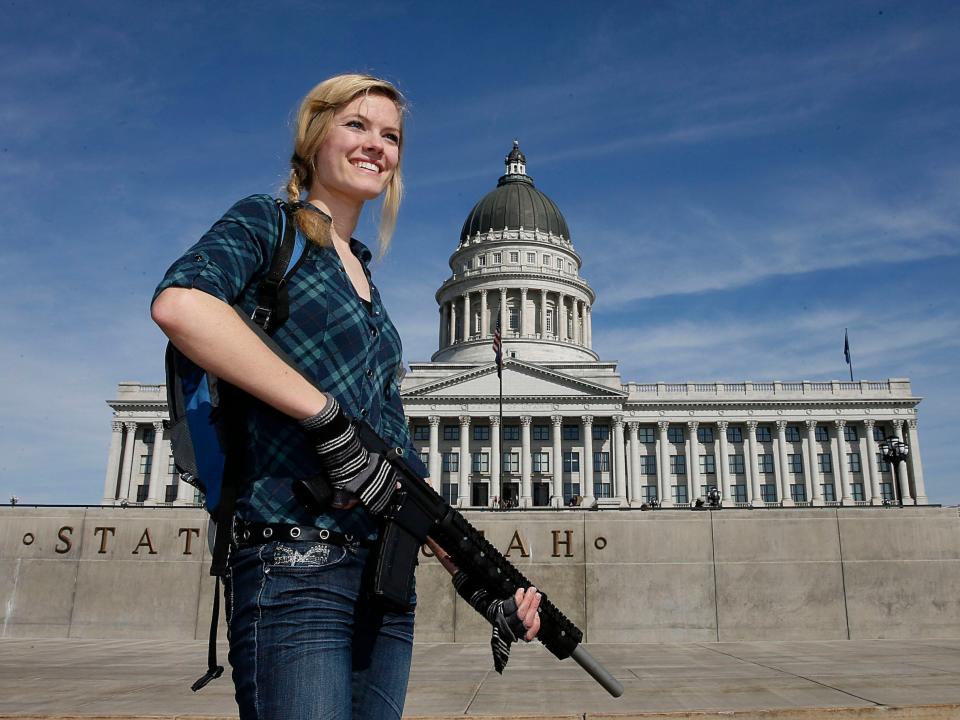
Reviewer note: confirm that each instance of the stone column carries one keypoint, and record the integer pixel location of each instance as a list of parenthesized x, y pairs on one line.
[(524, 320), (503, 312), (587, 490), (556, 495), (128, 460), (435, 466), (466, 464), (158, 469), (497, 459), (185, 493), (750, 465), (484, 321), (443, 326), (466, 316), (526, 486), (663, 465), (813, 472), (693, 460), (636, 479), (901, 471), (620, 461), (589, 326), (723, 470), (543, 314), (782, 458), (561, 316), (847, 497), (876, 497), (913, 440), (452, 318), (110, 482)]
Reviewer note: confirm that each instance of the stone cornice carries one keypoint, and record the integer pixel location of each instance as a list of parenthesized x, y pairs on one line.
[(458, 284)]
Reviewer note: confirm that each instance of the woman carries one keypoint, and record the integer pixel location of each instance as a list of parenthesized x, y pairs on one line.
[(305, 640)]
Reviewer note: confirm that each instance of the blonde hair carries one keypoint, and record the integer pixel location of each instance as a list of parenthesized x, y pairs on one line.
[(313, 123)]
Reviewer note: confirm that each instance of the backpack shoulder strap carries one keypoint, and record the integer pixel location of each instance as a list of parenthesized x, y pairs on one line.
[(273, 303)]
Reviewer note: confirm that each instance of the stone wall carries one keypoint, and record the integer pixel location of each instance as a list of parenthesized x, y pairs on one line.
[(622, 576)]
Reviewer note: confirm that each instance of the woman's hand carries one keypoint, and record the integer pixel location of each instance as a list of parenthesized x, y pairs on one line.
[(528, 604)]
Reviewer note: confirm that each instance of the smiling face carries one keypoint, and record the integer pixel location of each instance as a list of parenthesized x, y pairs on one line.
[(360, 151)]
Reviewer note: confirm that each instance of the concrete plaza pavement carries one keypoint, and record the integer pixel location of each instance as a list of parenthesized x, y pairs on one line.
[(54, 678)]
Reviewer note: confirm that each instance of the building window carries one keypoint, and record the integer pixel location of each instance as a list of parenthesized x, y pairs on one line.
[(798, 492), (850, 433), (829, 494), (853, 462), (514, 257), (882, 464), (421, 432), (821, 433), (740, 493), (571, 462), (497, 258), (146, 461), (451, 462), (425, 459), (879, 433), (570, 267), (734, 434), (602, 490), (481, 432), (765, 463), (571, 432), (170, 495), (541, 432), (678, 464), (705, 434), (511, 432), (768, 492), (649, 493), (792, 433), (857, 491), (601, 462), (541, 462), (795, 463), (513, 319), (468, 265), (708, 465), (148, 436), (825, 463), (511, 462), (645, 434), (451, 432), (763, 433), (886, 490), (736, 465), (171, 467), (601, 432), (675, 434), (531, 258), (142, 492), (679, 493), (198, 498), (481, 260), (546, 259), (559, 263), (481, 462)]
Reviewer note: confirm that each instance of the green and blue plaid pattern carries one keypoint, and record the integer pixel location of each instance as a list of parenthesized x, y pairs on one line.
[(349, 351)]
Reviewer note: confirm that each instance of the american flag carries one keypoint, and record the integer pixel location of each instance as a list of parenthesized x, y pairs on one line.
[(498, 349)]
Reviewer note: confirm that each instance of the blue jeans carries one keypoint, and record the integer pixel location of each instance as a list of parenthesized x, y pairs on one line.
[(305, 641)]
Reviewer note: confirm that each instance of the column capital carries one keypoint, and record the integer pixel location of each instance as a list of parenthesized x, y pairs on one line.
[(130, 426), (782, 425), (617, 421), (434, 420), (483, 292), (556, 420), (586, 419), (523, 291), (912, 423), (525, 420), (898, 424), (752, 425), (663, 425), (158, 426), (840, 424), (495, 420), (464, 421), (633, 425), (693, 424), (722, 425), (117, 426), (465, 294), (870, 422), (811, 424)]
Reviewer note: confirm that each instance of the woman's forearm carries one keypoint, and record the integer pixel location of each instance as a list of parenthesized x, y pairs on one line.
[(211, 334)]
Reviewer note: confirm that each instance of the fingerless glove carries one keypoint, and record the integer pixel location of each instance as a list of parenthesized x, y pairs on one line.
[(501, 614)]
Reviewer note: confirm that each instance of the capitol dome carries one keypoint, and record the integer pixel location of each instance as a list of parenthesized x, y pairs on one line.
[(515, 263), (515, 203)]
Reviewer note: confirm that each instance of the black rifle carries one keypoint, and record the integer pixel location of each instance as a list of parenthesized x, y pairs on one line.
[(417, 512)]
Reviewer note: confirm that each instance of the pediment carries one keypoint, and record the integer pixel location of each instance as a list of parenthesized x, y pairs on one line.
[(519, 379)]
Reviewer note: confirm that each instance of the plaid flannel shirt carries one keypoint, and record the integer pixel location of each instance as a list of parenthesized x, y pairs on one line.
[(351, 352)]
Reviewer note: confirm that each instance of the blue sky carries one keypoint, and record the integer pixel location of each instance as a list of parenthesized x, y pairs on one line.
[(743, 180)]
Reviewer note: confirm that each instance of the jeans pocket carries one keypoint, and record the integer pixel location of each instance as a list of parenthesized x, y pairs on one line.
[(296, 557)]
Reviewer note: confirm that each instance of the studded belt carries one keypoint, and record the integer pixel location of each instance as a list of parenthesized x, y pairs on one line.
[(248, 534)]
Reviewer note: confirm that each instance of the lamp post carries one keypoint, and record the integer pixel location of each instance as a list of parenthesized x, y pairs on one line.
[(895, 450)]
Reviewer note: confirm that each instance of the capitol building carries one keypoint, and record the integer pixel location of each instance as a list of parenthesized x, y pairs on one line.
[(568, 430)]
